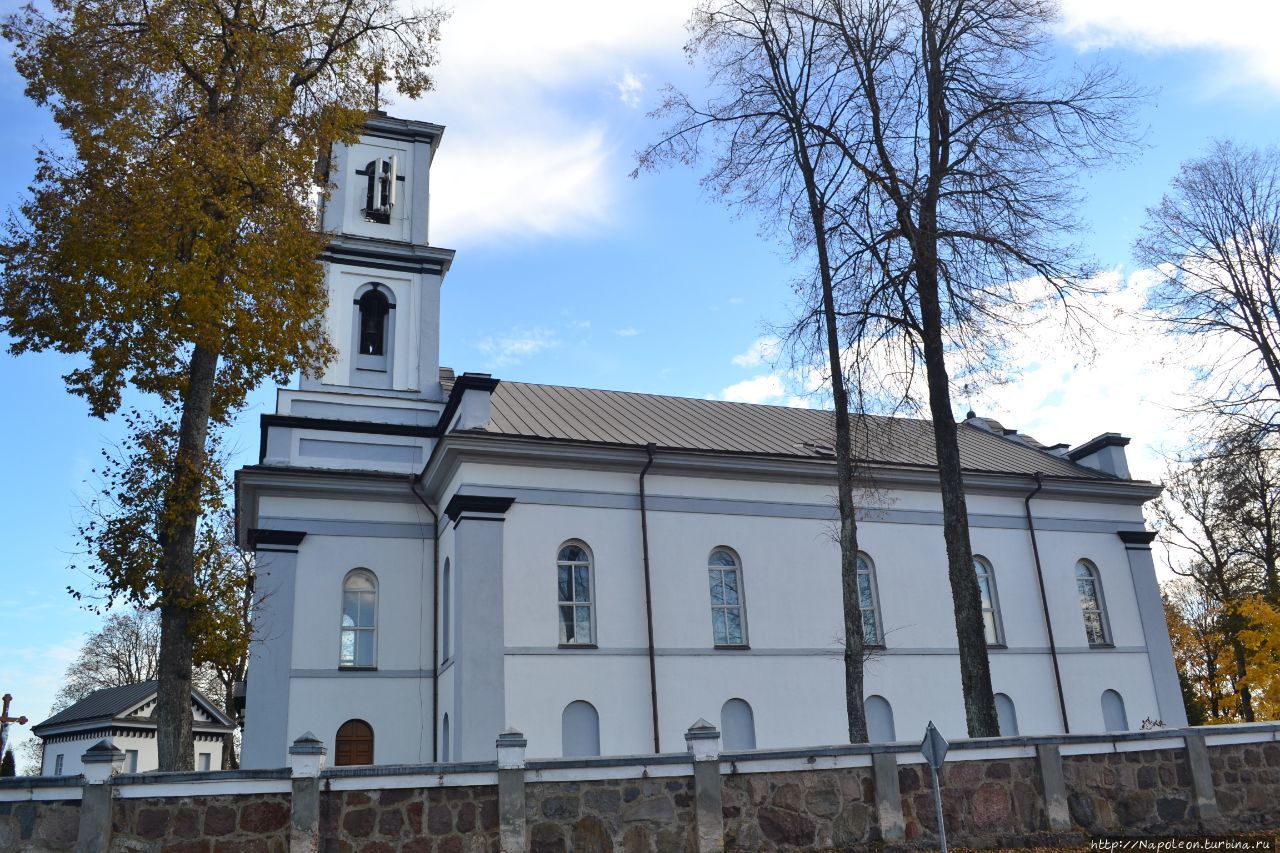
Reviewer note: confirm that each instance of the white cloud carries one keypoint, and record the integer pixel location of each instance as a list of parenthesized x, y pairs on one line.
[(766, 388), (762, 351), (630, 88), (1241, 31), (627, 332), (516, 346), (520, 157)]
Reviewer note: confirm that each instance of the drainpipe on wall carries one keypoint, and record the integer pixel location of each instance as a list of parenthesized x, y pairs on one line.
[(648, 598), (435, 619), (1044, 600)]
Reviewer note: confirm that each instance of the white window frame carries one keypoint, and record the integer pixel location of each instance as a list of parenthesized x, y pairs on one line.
[(131, 761), (356, 630), (864, 559), (57, 764), (991, 603), (573, 601), (204, 761), (1104, 624), (740, 607)]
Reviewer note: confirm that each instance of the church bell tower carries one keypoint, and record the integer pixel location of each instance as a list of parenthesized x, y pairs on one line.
[(382, 273)]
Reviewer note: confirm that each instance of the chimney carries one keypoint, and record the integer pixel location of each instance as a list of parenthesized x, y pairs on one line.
[(1104, 453), (474, 408)]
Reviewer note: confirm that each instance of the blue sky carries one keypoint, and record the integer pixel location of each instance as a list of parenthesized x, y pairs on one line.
[(570, 272)]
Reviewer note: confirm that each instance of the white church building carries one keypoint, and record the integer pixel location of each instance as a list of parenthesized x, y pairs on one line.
[(441, 557)]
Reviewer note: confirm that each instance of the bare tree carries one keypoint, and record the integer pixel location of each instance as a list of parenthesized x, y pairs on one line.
[(1214, 240), (773, 85), (966, 145), (125, 650)]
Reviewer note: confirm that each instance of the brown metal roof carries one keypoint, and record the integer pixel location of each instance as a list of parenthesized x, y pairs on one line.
[(680, 423)]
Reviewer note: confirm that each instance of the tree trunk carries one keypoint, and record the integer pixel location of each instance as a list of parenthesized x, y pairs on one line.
[(230, 761), (975, 670), (174, 739), (1243, 693)]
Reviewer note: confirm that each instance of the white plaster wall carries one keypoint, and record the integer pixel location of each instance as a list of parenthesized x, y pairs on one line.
[(148, 754), (398, 709)]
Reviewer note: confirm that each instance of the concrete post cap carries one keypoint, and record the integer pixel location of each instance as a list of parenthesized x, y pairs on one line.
[(103, 752), (512, 737), (701, 730), (307, 744)]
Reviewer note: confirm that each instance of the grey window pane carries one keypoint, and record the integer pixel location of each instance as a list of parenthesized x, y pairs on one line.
[(581, 583), (584, 624), (566, 584), (864, 591), (989, 625), (364, 648), (1088, 595), (566, 624), (1093, 628), (572, 554), (366, 609), (731, 587), (350, 609), (718, 627), (348, 654), (870, 634), (717, 587), (733, 619), (721, 559), (984, 589)]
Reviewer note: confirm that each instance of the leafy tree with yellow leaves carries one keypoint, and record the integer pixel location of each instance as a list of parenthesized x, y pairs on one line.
[(170, 243), (1262, 639)]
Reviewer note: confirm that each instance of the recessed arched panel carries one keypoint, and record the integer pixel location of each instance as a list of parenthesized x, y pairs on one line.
[(446, 745), (580, 730), (354, 744), (737, 725), (880, 728), (1007, 715), (446, 609), (1113, 713)]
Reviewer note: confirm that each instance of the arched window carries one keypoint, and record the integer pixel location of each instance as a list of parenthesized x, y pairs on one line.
[(879, 715), (990, 603), (354, 743), (446, 746), (580, 730), (573, 570), (446, 608), (374, 310), (728, 627), (1089, 585), (868, 601), (738, 725), (359, 620), (1007, 715), (1113, 715)]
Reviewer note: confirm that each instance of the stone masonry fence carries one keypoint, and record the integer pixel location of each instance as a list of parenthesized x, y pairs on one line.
[(1017, 791)]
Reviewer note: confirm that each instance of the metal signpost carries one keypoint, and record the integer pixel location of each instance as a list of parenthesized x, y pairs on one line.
[(934, 747)]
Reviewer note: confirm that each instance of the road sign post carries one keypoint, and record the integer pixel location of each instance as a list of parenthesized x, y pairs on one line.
[(934, 748)]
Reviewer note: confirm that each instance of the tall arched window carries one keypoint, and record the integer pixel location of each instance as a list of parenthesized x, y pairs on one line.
[(446, 745), (868, 601), (1089, 585), (446, 609), (990, 603), (738, 725), (359, 620), (374, 310), (580, 730), (573, 570), (1113, 715), (879, 713), (354, 744), (1006, 715), (728, 627)]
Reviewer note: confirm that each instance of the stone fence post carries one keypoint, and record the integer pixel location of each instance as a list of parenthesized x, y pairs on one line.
[(511, 805), (306, 760), (884, 774), (103, 761), (703, 740)]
